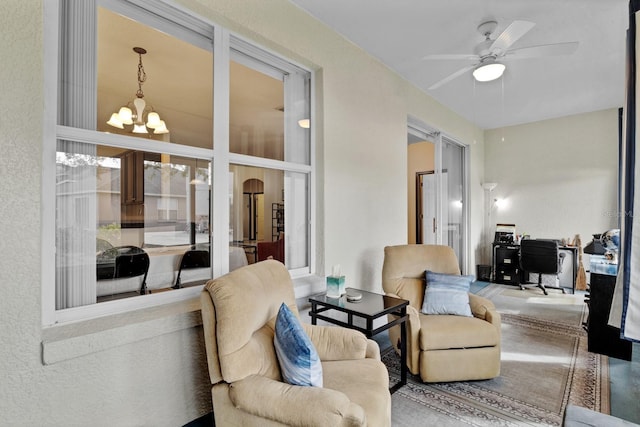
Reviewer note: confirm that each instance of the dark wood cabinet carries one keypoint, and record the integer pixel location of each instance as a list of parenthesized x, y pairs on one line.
[(604, 339), (132, 189)]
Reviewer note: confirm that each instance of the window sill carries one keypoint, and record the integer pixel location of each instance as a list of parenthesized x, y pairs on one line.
[(72, 340)]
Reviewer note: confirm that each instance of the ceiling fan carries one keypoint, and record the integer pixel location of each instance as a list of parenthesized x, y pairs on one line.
[(489, 54)]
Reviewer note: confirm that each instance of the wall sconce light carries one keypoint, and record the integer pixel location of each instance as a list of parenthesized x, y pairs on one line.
[(500, 203)]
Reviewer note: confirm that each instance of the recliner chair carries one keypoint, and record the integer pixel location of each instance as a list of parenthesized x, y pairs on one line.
[(238, 315), (440, 347)]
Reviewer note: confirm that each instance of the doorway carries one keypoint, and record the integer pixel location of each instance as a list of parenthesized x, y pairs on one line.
[(426, 208), (253, 209), (438, 195)]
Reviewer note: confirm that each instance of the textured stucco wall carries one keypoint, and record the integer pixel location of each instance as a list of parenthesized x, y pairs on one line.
[(160, 378)]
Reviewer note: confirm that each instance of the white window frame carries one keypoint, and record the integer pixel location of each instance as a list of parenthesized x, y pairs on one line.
[(220, 157)]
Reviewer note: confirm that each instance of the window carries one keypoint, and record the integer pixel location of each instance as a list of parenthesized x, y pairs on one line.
[(269, 121), (133, 195)]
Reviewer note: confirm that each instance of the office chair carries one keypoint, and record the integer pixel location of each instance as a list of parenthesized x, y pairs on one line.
[(192, 259), (132, 261), (543, 257)]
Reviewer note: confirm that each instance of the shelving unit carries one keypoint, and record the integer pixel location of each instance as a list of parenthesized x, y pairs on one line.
[(277, 220)]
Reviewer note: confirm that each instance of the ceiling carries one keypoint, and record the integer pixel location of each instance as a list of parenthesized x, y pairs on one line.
[(401, 32)]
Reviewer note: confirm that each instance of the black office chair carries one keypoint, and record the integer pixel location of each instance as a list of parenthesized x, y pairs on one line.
[(543, 257), (194, 258), (132, 261)]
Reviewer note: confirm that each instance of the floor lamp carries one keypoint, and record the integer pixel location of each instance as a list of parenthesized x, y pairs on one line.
[(488, 188)]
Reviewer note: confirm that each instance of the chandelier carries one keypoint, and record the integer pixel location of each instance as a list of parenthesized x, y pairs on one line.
[(137, 113)]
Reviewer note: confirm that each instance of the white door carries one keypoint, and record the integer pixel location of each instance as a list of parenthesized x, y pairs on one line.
[(454, 212), (428, 209)]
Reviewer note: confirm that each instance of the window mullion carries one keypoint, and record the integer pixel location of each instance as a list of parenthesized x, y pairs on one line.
[(220, 190), (261, 162)]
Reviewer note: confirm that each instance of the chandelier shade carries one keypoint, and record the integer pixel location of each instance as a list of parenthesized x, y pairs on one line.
[(136, 112)]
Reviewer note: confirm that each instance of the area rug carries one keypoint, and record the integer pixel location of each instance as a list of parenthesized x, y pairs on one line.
[(545, 365)]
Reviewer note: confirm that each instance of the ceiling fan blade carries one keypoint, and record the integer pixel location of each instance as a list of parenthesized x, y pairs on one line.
[(543, 50), (510, 35), (465, 56), (451, 77)]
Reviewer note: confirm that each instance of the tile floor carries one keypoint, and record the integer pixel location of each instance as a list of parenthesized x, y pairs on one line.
[(625, 386)]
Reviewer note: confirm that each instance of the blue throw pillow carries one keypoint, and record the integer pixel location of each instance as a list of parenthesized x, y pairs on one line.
[(298, 358), (447, 294)]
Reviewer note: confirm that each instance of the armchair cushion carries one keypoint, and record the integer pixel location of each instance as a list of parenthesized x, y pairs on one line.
[(447, 294), (295, 405), (456, 332), (298, 359)]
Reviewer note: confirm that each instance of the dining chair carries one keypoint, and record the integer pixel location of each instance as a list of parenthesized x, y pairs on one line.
[(194, 258), (132, 264)]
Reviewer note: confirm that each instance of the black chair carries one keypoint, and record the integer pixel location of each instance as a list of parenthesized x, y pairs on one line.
[(543, 257), (194, 258), (132, 261)]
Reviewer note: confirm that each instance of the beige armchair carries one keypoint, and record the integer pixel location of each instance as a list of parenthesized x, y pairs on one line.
[(238, 314), (441, 347)]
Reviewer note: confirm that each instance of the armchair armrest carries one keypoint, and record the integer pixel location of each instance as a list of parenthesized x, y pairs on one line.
[(373, 350), (483, 308), (334, 343), (285, 403), (413, 332)]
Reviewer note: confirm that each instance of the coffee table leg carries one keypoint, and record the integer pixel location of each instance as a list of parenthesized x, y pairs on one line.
[(403, 350), (312, 313)]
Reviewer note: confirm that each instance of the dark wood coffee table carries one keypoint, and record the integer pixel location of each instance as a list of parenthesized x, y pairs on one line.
[(372, 306)]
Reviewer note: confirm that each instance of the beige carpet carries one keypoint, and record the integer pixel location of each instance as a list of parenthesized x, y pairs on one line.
[(545, 365)]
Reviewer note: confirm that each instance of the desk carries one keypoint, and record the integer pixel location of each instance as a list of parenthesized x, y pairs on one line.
[(372, 306), (506, 265), (602, 338)]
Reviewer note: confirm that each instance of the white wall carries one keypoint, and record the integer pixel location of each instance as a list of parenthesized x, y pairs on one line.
[(558, 177), (148, 368)]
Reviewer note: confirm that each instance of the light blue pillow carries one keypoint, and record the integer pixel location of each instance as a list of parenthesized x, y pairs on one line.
[(447, 294), (298, 358)]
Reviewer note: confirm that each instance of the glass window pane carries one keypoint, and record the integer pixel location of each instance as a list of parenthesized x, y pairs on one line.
[(269, 214), (297, 205), (126, 217), (453, 186), (257, 212), (164, 94), (269, 112), (256, 113)]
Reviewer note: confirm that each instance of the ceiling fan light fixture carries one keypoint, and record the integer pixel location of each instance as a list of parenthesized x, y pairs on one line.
[(488, 71)]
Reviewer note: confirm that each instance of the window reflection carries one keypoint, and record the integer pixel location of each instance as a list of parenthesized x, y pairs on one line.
[(178, 85), (257, 212), (125, 220)]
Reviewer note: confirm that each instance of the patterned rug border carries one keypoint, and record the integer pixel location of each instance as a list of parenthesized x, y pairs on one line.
[(469, 403)]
